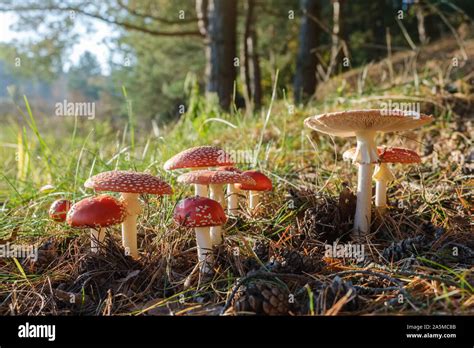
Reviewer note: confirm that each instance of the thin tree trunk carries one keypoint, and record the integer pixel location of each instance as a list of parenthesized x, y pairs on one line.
[(420, 17), (305, 77), (252, 73), (221, 49)]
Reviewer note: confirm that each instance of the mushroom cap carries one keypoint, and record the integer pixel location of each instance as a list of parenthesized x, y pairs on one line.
[(262, 182), (96, 212), (198, 157), (199, 212), (389, 155), (348, 123), (59, 209), (210, 177), (128, 182)]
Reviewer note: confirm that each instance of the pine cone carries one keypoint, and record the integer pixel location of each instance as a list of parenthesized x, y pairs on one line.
[(405, 248), (262, 298), (261, 250), (287, 261)]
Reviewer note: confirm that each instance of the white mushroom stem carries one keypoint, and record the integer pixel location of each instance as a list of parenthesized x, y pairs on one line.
[(129, 225), (200, 190), (233, 199), (382, 176), (204, 248), (254, 199), (366, 155), (217, 194), (97, 237)]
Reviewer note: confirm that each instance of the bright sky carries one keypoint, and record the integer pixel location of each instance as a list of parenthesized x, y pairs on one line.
[(94, 41)]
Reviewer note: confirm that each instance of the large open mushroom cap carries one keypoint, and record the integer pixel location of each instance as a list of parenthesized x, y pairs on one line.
[(348, 123), (215, 177), (262, 182), (199, 157), (128, 182), (96, 212), (388, 155), (199, 212)]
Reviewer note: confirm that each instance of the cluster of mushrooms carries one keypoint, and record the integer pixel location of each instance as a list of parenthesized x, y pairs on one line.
[(211, 170), (365, 125)]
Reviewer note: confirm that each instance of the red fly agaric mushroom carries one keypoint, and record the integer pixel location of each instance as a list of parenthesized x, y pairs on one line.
[(200, 157), (96, 213), (382, 173), (130, 185), (200, 213), (216, 181), (59, 209), (364, 125), (262, 183)]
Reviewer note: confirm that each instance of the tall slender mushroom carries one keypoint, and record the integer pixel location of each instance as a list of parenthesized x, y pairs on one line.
[(200, 213), (96, 213), (364, 125), (382, 174), (200, 157), (262, 183), (216, 181), (130, 185)]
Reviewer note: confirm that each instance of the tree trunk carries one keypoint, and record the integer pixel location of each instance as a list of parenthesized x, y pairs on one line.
[(420, 18), (221, 49), (305, 77), (252, 73)]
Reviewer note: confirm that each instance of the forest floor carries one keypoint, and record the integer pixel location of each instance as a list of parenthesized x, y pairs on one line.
[(418, 259)]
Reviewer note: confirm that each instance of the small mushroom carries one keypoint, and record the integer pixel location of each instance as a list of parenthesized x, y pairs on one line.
[(382, 174), (200, 157), (262, 183), (216, 181), (364, 125), (130, 185), (200, 213), (96, 213), (59, 209)]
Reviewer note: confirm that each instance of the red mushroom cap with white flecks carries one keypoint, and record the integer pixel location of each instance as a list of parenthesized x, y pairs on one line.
[(262, 182), (389, 155), (210, 177), (96, 212), (199, 212), (128, 182), (59, 209), (199, 157), (398, 155)]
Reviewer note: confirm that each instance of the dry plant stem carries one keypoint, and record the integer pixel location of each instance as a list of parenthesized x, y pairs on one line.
[(233, 199), (129, 225), (217, 194), (366, 154), (204, 248), (254, 200), (97, 237)]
